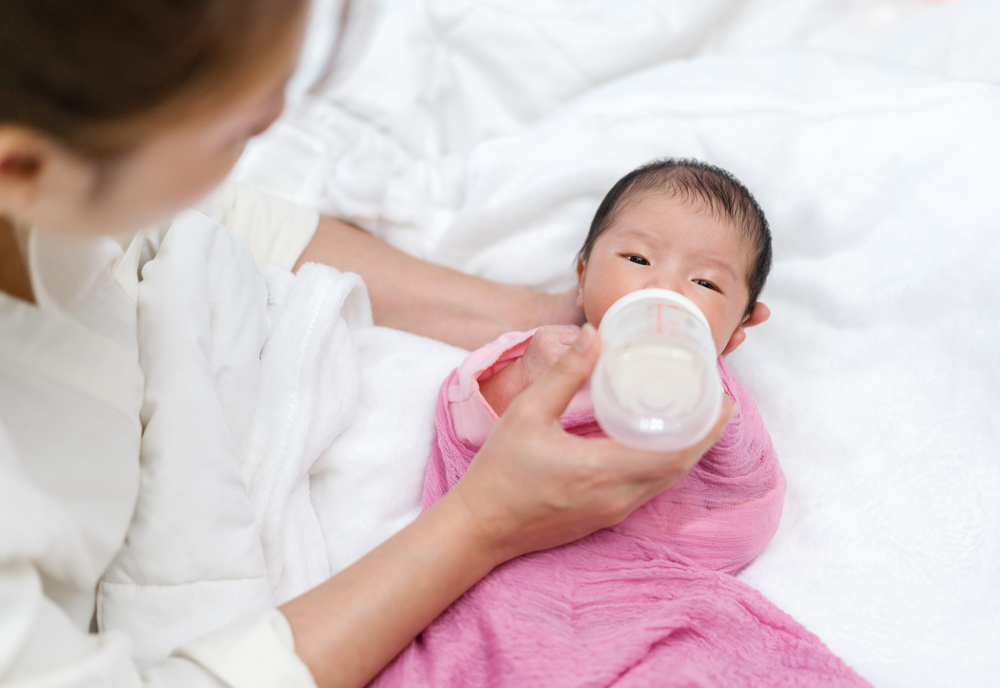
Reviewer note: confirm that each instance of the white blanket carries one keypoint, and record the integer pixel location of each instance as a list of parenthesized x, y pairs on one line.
[(483, 135), (251, 382), (956, 38)]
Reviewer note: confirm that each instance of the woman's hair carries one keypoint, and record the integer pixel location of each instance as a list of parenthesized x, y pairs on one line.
[(78, 70), (717, 190)]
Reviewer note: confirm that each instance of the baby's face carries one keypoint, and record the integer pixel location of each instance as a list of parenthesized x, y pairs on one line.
[(672, 244)]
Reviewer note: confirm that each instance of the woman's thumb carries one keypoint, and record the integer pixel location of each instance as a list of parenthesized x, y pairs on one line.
[(552, 391)]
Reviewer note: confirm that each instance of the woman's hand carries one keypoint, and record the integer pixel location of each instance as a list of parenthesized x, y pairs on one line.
[(531, 486), (534, 486)]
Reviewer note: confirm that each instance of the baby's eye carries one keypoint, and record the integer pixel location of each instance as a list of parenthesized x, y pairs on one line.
[(636, 259), (706, 284)]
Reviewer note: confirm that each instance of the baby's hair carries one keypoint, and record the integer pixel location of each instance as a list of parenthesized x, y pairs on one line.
[(697, 182)]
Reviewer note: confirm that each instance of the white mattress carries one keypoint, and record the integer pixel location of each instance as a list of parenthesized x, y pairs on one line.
[(482, 135)]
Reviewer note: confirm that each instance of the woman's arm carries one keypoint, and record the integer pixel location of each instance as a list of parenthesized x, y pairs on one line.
[(347, 629), (530, 487), (427, 299)]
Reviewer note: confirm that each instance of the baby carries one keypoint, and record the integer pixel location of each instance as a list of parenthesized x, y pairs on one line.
[(674, 224), (649, 601)]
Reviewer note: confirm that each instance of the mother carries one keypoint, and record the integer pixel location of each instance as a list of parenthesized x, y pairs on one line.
[(115, 114)]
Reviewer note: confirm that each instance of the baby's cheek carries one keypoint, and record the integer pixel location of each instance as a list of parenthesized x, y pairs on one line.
[(595, 309), (601, 293)]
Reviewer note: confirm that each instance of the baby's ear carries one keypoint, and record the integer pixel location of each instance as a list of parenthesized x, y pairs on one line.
[(759, 314), (581, 273), (24, 158)]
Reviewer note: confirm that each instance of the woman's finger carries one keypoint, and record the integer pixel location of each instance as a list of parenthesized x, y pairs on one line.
[(665, 467), (657, 467)]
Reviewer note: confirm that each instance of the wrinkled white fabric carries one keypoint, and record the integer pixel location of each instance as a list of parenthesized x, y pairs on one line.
[(71, 387), (956, 38), (424, 82), (250, 381), (310, 378), (192, 560)]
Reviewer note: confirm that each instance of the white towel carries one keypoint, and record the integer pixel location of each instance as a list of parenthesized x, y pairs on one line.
[(309, 393), (247, 381)]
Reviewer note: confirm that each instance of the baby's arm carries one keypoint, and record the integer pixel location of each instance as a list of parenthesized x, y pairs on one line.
[(546, 346)]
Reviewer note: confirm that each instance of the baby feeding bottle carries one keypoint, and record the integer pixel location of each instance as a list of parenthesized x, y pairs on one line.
[(656, 385)]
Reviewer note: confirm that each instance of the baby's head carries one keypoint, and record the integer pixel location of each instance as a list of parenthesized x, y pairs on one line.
[(681, 225)]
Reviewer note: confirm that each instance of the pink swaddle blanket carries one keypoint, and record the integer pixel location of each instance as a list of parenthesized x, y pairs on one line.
[(649, 602)]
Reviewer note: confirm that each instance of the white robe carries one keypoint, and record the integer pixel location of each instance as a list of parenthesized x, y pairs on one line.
[(71, 391)]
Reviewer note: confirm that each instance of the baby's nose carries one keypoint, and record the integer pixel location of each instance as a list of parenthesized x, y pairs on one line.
[(671, 282)]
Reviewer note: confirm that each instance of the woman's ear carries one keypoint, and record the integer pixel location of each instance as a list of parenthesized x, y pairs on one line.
[(759, 314), (22, 159), (581, 274)]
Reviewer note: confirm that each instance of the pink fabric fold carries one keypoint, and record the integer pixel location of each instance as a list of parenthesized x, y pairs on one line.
[(649, 602)]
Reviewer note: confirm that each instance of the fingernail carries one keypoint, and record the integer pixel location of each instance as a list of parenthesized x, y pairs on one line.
[(734, 410), (585, 339)]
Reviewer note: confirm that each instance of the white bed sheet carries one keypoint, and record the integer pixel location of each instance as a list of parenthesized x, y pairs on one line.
[(957, 38), (483, 135)]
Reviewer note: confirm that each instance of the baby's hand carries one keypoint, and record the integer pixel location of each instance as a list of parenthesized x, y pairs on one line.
[(544, 349), (546, 346)]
